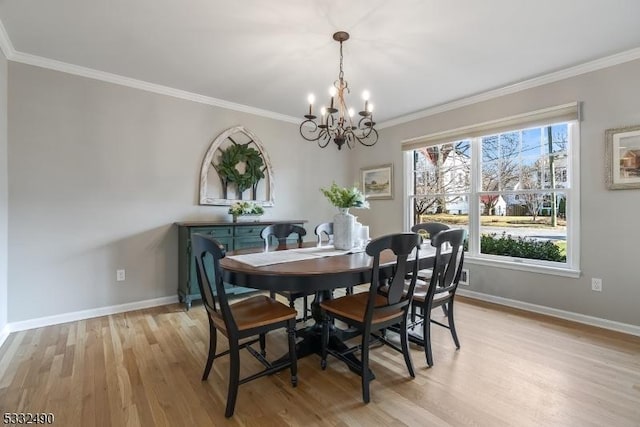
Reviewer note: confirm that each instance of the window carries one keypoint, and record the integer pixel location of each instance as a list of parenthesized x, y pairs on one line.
[(514, 190)]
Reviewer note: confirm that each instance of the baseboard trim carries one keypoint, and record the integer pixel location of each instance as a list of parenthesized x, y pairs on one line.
[(4, 334), (554, 312), (87, 314)]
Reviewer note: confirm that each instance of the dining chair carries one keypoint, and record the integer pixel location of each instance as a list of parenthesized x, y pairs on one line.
[(281, 233), (248, 318), (324, 232), (371, 313), (440, 289), (431, 228)]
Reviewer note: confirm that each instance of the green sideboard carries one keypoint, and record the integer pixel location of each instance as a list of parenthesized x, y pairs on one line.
[(232, 235)]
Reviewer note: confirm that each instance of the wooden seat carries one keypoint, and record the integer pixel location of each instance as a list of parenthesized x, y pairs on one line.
[(440, 290), (281, 232), (371, 313), (244, 319)]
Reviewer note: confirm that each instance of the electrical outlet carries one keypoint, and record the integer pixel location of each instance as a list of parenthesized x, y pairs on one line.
[(120, 276), (596, 284), (464, 277)]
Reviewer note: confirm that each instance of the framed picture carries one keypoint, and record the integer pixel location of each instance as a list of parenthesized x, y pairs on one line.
[(622, 157), (377, 182)]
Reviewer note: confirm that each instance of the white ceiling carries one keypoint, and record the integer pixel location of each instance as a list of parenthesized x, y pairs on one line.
[(410, 54)]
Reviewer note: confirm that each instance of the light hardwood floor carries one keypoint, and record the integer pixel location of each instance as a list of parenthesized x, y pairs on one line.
[(144, 368)]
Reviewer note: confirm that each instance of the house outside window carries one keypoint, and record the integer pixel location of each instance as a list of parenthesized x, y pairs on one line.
[(515, 191)]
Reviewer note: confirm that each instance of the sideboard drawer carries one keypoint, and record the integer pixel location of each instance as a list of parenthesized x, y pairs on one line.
[(249, 230), (213, 231)]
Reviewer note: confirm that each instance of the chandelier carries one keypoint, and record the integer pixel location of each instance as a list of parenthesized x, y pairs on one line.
[(337, 121)]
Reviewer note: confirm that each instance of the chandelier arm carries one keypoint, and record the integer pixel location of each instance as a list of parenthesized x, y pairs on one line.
[(323, 136), (311, 132), (366, 138)]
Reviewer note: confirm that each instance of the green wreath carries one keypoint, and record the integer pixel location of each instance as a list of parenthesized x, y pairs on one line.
[(241, 153)]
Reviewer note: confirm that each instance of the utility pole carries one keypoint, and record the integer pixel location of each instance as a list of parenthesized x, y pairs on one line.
[(552, 170)]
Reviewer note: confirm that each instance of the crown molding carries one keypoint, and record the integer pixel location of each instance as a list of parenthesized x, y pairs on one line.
[(91, 73), (5, 43), (39, 61), (587, 67)]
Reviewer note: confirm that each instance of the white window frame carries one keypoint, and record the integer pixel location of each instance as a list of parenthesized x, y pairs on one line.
[(569, 269)]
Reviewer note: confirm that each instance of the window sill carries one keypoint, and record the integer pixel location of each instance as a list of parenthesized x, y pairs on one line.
[(524, 266)]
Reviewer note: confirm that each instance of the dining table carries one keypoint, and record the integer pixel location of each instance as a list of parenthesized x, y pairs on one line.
[(319, 275)]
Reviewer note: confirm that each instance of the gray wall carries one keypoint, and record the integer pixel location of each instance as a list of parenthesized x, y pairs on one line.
[(609, 230), (4, 210), (99, 172)]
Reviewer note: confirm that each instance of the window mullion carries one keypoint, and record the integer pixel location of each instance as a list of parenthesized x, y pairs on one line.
[(474, 201)]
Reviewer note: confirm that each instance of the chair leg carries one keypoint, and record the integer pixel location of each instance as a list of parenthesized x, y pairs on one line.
[(444, 309), (234, 377), (364, 358), (272, 295), (349, 291), (413, 313), (291, 332), (452, 325), (213, 341), (426, 334), (404, 340), (306, 308), (325, 340), (263, 344)]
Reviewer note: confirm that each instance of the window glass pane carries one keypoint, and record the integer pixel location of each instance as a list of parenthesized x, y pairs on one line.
[(443, 169), (525, 225), (451, 210), (500, 161)]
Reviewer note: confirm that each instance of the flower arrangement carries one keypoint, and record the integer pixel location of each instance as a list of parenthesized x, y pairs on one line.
[(345, 197), (246, 208)]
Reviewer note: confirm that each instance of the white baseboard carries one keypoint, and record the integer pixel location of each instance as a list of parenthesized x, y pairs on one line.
[(86, 314), (4, 334), (554, 312)]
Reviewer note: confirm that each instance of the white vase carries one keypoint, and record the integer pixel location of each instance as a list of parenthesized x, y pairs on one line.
[(343, 228)]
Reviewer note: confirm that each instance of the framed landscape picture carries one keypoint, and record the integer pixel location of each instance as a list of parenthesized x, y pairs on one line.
[(622, 157), (377, 182)]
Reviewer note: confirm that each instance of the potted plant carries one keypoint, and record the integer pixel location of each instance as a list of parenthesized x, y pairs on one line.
[(246, 209), (344, 224), (345, 197)]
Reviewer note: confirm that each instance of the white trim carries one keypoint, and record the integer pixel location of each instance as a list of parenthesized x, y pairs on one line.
[(4, 334), (5, 43), (587, 67), (88, 314), (560, 113), (554, 312), (77, 70), (512, 264), (13, 55)]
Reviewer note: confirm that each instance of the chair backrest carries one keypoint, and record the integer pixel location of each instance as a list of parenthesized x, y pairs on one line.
[(447, 267), (208, 253), (432, 228), (281, 232), (324, 229), (404, 246)]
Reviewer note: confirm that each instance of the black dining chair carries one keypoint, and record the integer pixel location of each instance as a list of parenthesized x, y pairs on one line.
[(440, 289), (254, 316), (370, 313), (280, 233), (431, 229), (324, 232)]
